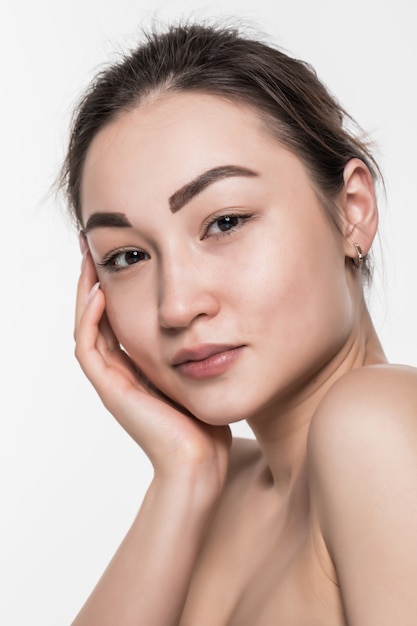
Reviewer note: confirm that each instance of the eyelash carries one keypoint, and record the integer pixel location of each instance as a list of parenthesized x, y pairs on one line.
[(109, 261), (216, 218)]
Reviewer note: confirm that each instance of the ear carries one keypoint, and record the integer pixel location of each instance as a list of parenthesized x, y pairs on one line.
[(358, 205)]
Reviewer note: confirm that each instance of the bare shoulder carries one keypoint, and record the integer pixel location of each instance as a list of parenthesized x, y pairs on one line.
[(373, 383), (368, 417), (377, 401), (362, 473)]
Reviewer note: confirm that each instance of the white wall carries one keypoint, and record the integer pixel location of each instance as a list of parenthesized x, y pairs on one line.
[(71, 480)]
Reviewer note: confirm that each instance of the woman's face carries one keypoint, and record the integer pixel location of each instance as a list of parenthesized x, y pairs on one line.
[(224, 278)]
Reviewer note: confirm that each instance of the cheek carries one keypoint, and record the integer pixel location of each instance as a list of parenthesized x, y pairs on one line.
[(130, 319), (300, 289)]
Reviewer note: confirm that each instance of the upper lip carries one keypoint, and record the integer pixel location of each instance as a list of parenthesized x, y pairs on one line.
[(200, 352)]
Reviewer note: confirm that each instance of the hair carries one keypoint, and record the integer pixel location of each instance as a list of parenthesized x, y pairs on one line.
[(295, 105)]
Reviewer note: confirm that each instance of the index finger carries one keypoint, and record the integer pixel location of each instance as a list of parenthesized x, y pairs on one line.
[(87, 280)]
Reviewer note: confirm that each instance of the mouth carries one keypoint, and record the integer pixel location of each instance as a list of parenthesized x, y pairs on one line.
[(206, 361)]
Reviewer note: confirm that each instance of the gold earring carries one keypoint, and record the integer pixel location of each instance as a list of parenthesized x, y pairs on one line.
[(358, 260)]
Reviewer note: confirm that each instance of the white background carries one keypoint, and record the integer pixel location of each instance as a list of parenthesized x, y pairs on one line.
[(71, 480)]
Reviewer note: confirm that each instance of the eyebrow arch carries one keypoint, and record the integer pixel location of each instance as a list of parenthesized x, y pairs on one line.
[(198, 184), (109, 220)]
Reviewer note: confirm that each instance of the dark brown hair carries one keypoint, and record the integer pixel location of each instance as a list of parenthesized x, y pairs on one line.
[(297, 108)]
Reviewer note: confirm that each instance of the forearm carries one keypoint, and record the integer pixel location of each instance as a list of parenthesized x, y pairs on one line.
[(148, 578)]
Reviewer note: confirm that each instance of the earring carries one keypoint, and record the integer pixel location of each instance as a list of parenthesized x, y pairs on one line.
[(358, 260)]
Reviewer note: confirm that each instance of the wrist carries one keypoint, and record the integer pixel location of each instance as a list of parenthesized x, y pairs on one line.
[(199, 487)]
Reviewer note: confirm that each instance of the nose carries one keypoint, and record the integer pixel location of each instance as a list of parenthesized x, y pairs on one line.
[(186, 292)]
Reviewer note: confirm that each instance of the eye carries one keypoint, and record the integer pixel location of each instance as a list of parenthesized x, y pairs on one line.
[(224, 224), (121, 259)]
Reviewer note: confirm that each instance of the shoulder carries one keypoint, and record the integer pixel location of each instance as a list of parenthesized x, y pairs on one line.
[(362, 468), (368, 420), (375, 384), (369, 401)]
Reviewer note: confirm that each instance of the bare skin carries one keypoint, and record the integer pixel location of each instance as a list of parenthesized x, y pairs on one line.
[(314, 521)]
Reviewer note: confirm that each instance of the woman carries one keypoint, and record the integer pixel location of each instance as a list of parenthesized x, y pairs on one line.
[(228, 214)]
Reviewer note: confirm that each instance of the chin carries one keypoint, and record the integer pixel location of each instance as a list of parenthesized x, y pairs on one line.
[(224, 412)]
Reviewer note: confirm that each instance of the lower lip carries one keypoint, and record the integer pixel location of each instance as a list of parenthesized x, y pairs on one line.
[(212, 366)]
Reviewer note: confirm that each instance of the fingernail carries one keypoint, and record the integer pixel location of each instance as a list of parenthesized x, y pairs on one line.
[(93, 291)]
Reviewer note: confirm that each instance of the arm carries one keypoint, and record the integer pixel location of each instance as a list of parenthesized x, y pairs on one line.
[(148, 578), (363, 464)]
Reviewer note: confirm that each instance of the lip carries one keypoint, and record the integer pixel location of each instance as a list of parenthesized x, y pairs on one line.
[(206, 360)]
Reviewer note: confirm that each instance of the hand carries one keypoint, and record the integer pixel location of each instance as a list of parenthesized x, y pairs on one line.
[(173, 440)]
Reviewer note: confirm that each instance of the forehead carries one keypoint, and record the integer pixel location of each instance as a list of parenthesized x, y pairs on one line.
[(179, 121), (154, 149)]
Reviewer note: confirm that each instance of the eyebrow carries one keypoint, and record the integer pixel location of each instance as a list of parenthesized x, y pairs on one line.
[(109, 220), (179, 199)]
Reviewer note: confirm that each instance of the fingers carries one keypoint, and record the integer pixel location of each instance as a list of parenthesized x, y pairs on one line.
[(82, 239), (89, 311), (96, 343), (91, 329), (87, 285), (86, 282)]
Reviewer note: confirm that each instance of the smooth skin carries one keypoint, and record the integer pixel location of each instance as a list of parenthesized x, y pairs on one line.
[(314, 521)]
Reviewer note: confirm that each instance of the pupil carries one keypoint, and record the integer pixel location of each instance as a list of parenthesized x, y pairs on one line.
[(228, 222), (132, 257)]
